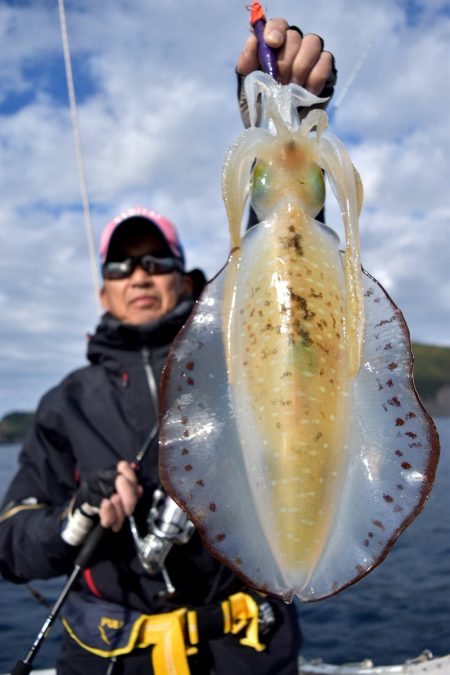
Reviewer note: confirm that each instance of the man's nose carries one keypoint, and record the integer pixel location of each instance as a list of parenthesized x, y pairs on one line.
[(140, 276)]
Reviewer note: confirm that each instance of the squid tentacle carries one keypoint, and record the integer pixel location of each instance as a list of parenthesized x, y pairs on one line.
[(236, 176), (336, 162), (281, 101)]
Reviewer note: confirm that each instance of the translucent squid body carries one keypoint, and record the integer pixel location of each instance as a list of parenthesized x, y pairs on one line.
[(291, 433)]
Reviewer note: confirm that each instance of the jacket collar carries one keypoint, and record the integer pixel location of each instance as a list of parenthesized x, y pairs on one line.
[(113, 335)]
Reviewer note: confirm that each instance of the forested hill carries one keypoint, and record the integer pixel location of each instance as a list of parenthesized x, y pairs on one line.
[(14, 426), (432, 377), (431, 374)]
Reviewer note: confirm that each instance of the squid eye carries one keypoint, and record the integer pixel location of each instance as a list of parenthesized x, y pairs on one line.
[(316, 184), (261, 187)]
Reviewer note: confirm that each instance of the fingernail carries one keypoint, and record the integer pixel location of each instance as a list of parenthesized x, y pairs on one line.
[(275, 36)]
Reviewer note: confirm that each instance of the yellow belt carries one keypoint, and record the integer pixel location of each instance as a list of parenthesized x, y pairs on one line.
[(169, 634)]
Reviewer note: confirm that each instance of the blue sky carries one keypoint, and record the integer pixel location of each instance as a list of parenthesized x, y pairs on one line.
[(157, 110)]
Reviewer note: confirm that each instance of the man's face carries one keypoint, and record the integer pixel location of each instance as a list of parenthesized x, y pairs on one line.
[(142, 297)]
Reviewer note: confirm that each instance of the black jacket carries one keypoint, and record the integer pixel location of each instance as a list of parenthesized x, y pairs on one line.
[(97, 416)]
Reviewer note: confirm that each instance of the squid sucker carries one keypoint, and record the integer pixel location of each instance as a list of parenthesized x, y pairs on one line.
[(291, 431)]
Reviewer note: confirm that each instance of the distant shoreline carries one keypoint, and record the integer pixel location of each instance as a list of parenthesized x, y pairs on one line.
[(431, 378), (437, 408), (15, 426)]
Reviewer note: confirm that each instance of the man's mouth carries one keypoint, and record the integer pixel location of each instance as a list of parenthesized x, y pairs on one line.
[(145, 301)]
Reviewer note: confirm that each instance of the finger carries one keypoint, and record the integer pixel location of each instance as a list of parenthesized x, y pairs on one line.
[(120, 514), (274, 36), (125, 469), (306, 58), (287, 54), (248, 58), (112, 514), (320, 74), (107, 514), (275, 32), (128, 494)]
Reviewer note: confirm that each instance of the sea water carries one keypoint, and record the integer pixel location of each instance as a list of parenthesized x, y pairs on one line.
[(396, 612), (403, 606)]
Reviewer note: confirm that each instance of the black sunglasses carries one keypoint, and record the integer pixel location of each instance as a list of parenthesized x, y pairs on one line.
[(124, 268)]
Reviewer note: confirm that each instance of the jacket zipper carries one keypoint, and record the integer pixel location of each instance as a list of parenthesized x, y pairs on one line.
[(150, 378)]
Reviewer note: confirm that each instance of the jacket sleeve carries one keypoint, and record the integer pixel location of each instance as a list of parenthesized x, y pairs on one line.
[(34, 506)]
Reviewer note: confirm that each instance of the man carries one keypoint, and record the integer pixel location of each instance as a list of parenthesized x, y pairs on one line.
[(77, 463)]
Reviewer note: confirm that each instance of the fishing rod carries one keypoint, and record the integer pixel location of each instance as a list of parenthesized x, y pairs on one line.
[(23, 667)]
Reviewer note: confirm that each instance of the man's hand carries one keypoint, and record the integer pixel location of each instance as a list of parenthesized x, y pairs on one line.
[(300, 60), (122, 502), (112, 494)]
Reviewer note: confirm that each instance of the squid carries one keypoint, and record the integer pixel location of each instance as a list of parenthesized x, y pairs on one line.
[(291, 431)]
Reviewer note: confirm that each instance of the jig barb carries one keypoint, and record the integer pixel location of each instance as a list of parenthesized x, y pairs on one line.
[(266, 55)]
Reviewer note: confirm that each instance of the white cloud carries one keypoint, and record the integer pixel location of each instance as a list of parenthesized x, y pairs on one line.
[(157, 111)]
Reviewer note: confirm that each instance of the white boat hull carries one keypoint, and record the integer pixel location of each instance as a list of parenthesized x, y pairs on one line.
[(423, 665)]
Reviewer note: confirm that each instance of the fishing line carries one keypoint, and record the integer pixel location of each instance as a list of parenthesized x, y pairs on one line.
[(351, 77), (79, 153)]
